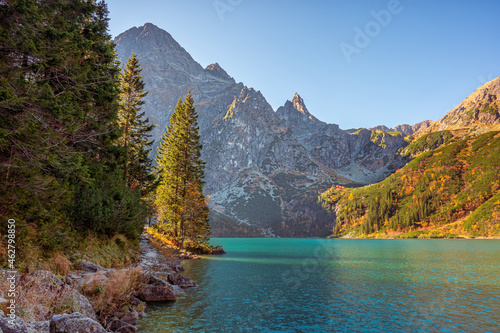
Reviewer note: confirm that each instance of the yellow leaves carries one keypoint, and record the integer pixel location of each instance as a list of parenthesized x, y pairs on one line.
[(475, 227), (351, 197)]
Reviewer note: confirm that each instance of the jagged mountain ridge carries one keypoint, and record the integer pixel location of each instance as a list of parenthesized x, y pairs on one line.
[(405, 128), (264, 168)]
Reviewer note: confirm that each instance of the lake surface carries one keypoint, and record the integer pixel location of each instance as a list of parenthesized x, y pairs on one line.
[(337, 285)]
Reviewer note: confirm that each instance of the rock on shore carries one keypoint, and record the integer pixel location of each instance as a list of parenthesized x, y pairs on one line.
[(162, 282)]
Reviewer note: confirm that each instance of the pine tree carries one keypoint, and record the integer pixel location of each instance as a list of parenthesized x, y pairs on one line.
[(136, 130), (181, 207), (60, 162)]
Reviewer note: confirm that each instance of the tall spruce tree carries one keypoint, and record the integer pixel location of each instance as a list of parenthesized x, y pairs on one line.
[(181, 207), (59, 157), (136, 128)]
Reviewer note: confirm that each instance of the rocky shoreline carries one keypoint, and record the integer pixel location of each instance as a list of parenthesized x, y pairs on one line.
[(77, 298)]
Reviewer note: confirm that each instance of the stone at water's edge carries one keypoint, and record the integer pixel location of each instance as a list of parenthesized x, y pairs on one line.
[(181, 281), (218, 251), (130, 318), (117, 325), (178, 290), (157, 290)]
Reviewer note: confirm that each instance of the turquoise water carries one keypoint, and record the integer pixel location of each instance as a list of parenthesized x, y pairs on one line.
[(320, 285)]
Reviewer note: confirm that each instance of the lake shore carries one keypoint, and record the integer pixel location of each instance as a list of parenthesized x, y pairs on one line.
[(94, 298)]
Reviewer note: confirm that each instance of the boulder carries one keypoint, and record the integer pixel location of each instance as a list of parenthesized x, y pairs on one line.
[(181, 281), (157, 290), (218, 251), (87, 266), (178, 290), (17, 325), (175, 266), (39, 327), (130, 318), (73, 323), (82, 305), (117, 325), (138, 306), (43, 278)]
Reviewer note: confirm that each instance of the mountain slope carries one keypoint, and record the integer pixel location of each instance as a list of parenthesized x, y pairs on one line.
[(451, 188), (264, 168), (479, 113), (450, 192)]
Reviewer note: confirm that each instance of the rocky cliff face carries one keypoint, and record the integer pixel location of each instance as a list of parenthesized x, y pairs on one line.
[(479, 113), (264, 168)]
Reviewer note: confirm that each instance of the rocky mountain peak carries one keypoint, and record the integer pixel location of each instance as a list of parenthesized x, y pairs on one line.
[(217, 71), (154, 45), (299, 105), (297, 116)]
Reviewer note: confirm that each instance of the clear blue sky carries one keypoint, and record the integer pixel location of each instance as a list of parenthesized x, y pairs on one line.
[(415, 65)]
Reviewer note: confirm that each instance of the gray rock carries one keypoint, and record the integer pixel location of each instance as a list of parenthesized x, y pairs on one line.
[(218, 251), (39, 327), (126, 329), (87, 266), (16, 325), (181, 281), (74, 323), (44, 278), (131, 318), (157, 290), (176, 267), (178, 290), (82, 305), (117, 325)]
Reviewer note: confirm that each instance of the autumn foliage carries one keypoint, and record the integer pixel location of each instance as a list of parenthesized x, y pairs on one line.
[(453, 191)]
